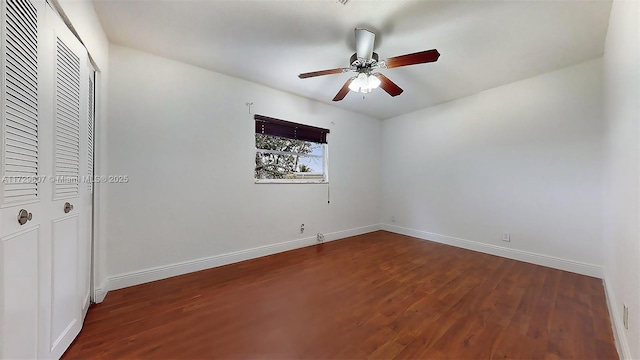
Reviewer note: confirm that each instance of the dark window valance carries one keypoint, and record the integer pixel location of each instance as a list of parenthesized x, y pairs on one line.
[(287, 129)]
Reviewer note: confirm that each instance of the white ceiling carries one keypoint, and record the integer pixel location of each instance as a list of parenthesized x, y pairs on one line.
[(483, 44)]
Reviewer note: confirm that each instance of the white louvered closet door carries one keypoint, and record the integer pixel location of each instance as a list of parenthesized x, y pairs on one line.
[(68, 215), (86, 194), (23, 160), (43, 259)]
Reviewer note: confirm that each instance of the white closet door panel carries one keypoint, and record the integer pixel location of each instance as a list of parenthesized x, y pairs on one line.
[(19, 271), (86, 228), (68, 238), (64, 305), (21, 245)]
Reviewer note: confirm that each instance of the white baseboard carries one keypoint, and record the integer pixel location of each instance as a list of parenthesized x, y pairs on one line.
[(166, 271), (520, 255), (619, 334), (100, 292)]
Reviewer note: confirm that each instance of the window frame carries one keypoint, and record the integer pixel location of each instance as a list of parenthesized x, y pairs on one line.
[(325, 154)]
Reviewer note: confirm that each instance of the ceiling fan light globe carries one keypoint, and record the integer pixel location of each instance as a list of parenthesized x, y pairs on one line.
[(354, 85), (373, 82), (359, 83)]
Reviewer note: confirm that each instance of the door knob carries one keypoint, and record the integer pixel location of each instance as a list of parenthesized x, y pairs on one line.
[(24, 216), (67, 207)]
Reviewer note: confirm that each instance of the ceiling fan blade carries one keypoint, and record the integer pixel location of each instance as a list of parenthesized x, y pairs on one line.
[(364, 43), (344, 91), (412, 59), (389, 86), (322, 72)]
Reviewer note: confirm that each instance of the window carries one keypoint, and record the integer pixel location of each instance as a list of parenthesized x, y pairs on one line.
[(287, 152)]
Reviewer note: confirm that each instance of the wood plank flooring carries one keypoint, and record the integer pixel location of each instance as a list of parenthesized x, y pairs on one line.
[(374, 296)]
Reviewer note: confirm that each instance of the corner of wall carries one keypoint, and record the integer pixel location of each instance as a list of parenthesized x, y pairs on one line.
[(617, 327), (100, 292)]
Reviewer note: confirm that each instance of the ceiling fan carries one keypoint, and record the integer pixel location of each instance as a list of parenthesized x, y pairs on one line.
[(365, 61)]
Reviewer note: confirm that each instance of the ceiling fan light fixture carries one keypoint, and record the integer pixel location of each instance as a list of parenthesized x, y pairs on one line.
[(364, 83)]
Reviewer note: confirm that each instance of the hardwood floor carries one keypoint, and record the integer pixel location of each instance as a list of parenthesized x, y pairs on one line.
[(379, 295)]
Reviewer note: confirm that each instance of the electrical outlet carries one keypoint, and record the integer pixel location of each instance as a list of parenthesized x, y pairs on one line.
[(393, 219), (625, 316), (506, 237), (301, 228), (320, 237)]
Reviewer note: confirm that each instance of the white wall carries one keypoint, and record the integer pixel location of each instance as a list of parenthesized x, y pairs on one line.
[(85, 22), (622, 175), (524, 158), (185, 138)]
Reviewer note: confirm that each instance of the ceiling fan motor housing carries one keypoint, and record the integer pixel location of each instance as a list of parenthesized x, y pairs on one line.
[(359, 63)]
